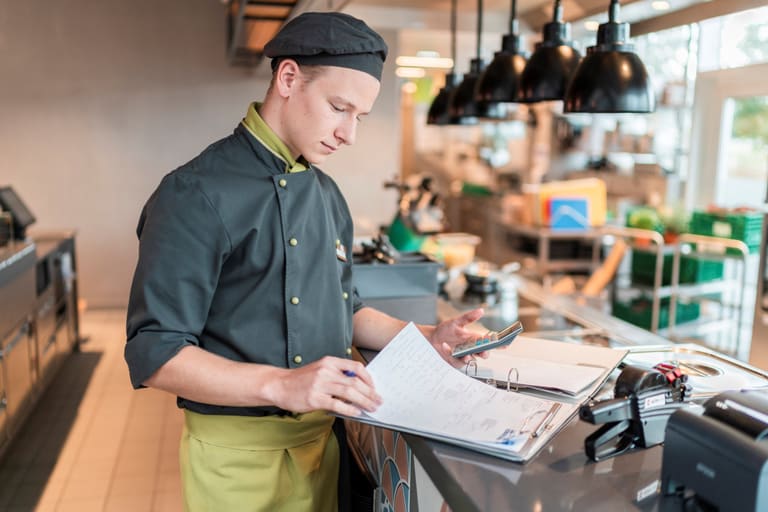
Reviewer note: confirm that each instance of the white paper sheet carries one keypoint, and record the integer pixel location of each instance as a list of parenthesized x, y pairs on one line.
[(423, 393)]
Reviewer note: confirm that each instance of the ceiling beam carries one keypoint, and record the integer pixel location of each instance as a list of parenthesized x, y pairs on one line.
[(694, 14)]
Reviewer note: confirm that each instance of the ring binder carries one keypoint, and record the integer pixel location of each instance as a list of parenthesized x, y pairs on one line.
[(516, 381), (512, 426), (473, 364)]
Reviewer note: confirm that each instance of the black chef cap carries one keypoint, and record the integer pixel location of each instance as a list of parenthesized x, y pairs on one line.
[(329, 39)]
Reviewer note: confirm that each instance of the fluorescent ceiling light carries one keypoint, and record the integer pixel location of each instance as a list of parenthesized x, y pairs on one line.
[(410, 72), (592, 25), (424, 62)]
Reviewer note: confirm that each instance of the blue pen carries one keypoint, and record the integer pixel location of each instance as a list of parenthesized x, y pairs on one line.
[(349, 373)]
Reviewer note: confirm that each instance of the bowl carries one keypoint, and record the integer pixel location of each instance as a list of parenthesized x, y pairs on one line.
[(453, 249)]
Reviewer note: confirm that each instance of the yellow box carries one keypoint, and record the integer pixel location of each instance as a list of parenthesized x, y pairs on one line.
[(593, 189)]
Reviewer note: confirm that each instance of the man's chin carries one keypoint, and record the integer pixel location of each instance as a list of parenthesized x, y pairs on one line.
[(316, 159)]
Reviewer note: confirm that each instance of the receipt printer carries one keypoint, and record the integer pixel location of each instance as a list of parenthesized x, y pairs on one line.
[(718, 460)]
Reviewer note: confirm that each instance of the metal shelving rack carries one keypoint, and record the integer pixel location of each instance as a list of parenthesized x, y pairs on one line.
[(652, 241), (541, 262), (713, 249)]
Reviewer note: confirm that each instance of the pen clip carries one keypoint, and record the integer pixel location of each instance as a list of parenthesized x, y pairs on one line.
[(547, 420)]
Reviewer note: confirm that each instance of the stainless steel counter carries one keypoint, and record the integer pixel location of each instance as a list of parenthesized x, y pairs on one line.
[(38, 323), (420, 474), (17, 284)]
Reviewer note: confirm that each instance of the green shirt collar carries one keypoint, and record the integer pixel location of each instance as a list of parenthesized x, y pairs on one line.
[(269, 139)]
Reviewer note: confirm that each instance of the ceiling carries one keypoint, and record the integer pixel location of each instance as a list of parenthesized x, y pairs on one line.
[(253, 22), (533, 13)]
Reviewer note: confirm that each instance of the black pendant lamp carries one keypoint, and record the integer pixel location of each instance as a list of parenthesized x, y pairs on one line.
[(464, 104), (439, 110), (500, 82), (611, 78), (548, 71)]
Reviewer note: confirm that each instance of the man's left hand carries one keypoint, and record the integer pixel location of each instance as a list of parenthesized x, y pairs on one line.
[(446, 335)]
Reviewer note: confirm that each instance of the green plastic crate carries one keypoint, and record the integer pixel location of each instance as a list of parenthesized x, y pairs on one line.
[(692, 268), (746, 227), (638, 312)]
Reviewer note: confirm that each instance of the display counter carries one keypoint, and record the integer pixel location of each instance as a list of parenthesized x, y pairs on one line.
[(414, 473), (38, 322), (17, 300)]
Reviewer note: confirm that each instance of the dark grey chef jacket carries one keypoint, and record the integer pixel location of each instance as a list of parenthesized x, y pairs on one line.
[(241, 258)]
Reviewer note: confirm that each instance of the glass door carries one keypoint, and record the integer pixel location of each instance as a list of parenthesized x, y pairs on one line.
[(744, 152)]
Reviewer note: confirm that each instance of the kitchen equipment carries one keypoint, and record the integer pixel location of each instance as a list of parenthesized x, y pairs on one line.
[(379, 249), (405, 288), (419, 214), (489, 285), (20, 215)]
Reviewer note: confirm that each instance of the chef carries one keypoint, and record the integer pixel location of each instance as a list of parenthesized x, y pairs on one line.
[(242, 302)]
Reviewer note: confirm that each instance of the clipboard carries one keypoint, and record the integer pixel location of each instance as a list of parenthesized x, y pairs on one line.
[(424, 395)]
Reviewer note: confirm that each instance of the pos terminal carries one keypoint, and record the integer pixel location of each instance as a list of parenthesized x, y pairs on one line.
[(718, 460)]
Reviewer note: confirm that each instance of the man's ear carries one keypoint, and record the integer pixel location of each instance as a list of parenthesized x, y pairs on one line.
[(287, 77)]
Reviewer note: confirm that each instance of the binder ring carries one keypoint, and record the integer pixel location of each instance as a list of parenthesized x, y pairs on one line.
[(510, 381), (470, 364)]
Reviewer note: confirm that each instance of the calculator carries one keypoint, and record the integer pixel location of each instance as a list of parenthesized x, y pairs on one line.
[(489, 341)]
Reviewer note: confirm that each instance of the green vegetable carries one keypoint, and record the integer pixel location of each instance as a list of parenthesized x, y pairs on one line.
[(645, 218)]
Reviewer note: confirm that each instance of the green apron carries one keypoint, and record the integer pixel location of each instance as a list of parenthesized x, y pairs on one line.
[(269, 463)]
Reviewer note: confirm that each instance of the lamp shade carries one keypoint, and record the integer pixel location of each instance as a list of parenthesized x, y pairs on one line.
[(548, 71), (611, 78), (464, 105), (610, 82), (439, 111), (500, 81)]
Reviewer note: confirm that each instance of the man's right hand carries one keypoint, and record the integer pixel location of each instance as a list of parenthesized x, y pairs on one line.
[(333, 384)]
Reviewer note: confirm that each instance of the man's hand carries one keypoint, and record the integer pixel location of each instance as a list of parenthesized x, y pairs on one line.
[(450, 333), (332, 384)]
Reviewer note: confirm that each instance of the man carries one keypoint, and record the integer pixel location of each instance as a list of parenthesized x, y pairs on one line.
[(242, 303)]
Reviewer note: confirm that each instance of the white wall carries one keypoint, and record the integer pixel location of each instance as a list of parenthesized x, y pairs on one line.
[(100, 99)]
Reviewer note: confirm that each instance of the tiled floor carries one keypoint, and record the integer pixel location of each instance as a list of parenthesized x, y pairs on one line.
[(93, 443)]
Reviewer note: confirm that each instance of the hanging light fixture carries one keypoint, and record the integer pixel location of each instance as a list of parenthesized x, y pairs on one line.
[(464, 104), (500, 82), (439, 110), (548, 71), (611, 78)]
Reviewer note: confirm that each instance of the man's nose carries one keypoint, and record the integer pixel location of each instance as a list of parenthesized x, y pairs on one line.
[(346, 131)]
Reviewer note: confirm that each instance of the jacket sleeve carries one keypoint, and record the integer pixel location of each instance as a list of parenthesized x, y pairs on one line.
[(182, 245)]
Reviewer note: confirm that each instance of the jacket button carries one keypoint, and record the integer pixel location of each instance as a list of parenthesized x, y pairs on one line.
[(349, 351), (345, 295), (282, 183), (294, 300), (293, 242), (297, 359)]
